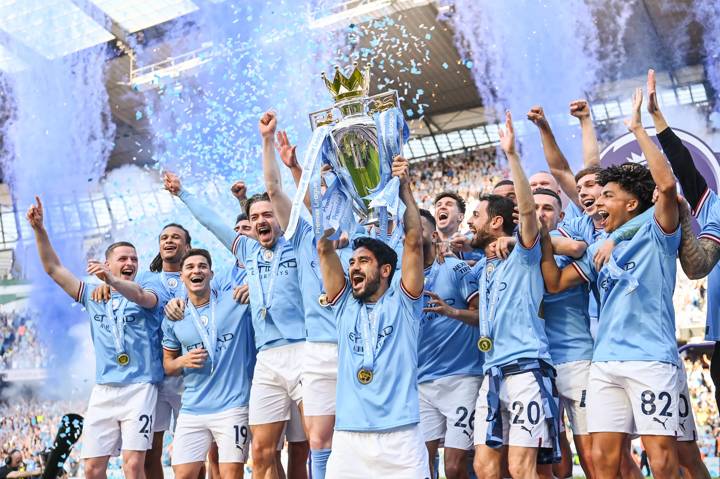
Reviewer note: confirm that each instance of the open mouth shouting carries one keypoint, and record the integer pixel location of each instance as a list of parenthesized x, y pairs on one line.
[(357, 280), (603, 214), (264, 233), (127, 272)]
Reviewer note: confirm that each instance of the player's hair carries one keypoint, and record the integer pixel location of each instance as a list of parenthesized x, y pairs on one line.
[(501, 206), (428, 216), (451, 194), (545, 191), (384, 254), (8, 458), (590, 170), (156, 263), (503, 183), (241, 217), (117, 244), (197, 252), (254, 199), (633, 178)]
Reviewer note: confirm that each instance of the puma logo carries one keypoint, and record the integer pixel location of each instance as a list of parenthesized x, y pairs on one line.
[(661, 422), (467, 434), (526, 429)]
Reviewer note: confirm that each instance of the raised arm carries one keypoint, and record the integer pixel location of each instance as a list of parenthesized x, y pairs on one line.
[(49, 259), (205, 215), (580, 109), (691, 180), (413, 277), (525, 201), (568, 246), (666, 206), (558, 164), (331, 268), (556, 280), (130, 289), (239, 191), (282, 205), (288, 155), (698, 256)]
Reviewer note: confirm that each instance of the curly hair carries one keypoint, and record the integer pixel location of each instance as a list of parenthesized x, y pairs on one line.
[(632, 178)]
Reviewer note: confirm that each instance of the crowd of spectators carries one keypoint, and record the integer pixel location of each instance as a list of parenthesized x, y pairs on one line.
[(30, 425), (20, 347)]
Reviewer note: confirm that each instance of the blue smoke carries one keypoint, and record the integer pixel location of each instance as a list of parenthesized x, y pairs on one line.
[(57, 140), (530, 52)]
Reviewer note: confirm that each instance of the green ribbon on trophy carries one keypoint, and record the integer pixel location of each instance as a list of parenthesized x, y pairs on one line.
[(359, 149)]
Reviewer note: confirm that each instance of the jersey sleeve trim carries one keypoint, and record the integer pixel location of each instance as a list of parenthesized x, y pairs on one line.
[(710, 237), (337, 297), (563, 232), (471, 296), (580, 272), (662, 230), (407, 293), (235, 244), (701, 203), (171, 349), (535, 242), (81, 292)]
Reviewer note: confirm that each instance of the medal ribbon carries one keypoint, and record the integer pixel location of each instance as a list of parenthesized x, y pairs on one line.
[(369, 336), (118, 331), (311, 161), (254, 276), (487, 312), (617, 273), (209, 335)]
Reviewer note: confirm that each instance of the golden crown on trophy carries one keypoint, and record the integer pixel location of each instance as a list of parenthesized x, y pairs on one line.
[(343, 87)]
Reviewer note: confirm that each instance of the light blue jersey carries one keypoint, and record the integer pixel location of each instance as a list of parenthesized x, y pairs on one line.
[(277, 311), (141, 341), (227, 279), (278, 316), (637, 318), (516, 288), (708, 216), (581, 228), (390, 400), (573, 211), (447, 346), (220, 384), (567, 322), (319, 318)]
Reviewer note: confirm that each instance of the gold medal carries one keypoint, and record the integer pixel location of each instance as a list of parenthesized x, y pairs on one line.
[(123, 359), (268, 255), (484, 344), (323, 301), (365, 376)]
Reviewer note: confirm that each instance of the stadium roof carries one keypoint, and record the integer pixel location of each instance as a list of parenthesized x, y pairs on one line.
[(453, 104)]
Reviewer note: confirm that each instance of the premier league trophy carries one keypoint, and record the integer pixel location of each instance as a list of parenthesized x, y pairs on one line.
[(357, 138)]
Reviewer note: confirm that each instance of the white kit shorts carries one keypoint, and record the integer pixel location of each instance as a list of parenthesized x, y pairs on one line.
[(195, 432), (447, 410)]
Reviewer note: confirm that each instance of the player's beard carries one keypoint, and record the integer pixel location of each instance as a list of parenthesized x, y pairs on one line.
[(482, 238), (372, 284)]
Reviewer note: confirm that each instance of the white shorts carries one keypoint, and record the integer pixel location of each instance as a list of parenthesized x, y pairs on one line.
[(447, 410), (319, 378), (195, 432), (293, 430), (276, 383), (687, 430), (119, 418), (168, 403), (572, 383), (521, 406), (633, 397), (398, 454)]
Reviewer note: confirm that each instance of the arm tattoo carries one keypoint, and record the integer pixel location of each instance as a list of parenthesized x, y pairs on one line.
[(698, 256)]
